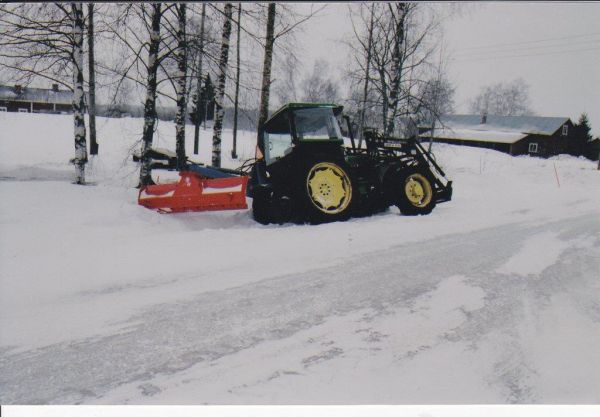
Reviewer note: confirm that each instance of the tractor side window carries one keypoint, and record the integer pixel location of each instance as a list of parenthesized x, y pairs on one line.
[(277, 138), (316, 124), (276, 146)]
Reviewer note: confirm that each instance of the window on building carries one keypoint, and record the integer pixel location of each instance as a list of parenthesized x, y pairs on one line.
[(23, 111), (3, 109), (533, 148), (565, 131)]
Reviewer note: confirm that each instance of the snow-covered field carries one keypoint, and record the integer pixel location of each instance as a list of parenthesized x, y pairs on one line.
[(493, 298)]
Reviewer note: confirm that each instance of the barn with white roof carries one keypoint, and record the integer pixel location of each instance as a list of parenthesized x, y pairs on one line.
[(515, 135)]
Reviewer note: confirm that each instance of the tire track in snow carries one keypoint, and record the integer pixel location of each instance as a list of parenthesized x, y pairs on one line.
[(172, 337)]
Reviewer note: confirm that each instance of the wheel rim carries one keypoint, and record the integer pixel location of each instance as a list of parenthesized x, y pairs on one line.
[(329, 188), (418, 190)]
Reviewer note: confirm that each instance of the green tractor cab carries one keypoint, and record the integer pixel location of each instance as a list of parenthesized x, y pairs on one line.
[(307, 174)]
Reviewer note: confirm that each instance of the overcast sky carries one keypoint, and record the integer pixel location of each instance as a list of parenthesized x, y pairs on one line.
[(554, 47)]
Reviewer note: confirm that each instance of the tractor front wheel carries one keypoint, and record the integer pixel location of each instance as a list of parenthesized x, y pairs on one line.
[(326, 191), (414, 192)]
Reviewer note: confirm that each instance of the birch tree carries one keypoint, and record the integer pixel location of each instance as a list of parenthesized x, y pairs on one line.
[(281, 22), (368, 50), (319, 85), (218, 123), (286, 89), (266, 72), (181, 81), (398, 12), (150, 101), (78, 96), (392, 52), (503, 99), (45, 41)]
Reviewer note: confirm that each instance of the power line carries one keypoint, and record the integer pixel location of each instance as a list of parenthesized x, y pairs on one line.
[(527, 55), (523, 49), (534, 41)]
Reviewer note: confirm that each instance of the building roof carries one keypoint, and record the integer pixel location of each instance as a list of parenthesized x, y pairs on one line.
[(474, 135), (498, 129), (36, 95), (523, 124)]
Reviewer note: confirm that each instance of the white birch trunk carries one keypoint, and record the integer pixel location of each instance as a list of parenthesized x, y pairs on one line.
[(78, 97), (218, 124), (150, 102), (397, 66)]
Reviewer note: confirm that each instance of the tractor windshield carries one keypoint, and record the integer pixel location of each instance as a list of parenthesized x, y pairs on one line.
[(316, 124)]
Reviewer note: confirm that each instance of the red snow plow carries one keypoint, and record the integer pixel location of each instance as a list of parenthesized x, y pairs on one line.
[(200, 188)]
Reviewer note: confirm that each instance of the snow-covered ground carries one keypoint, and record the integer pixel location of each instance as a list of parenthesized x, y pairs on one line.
[(493, 298)]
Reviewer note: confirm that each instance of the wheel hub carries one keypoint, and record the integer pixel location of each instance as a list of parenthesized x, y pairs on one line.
[(329, 187), (418, 190)]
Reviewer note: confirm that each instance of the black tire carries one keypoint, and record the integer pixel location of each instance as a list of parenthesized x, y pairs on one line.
[(260, 205), (414, 193), (268, 207), (325, 190), (280, 210)]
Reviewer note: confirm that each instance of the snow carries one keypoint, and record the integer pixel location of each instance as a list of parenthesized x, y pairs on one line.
[(493, 298), (497, 136), (523, 124), (531, 260), (215, 190)]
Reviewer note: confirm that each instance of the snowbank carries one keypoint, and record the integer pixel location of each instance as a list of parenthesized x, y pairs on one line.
[(77, 262)]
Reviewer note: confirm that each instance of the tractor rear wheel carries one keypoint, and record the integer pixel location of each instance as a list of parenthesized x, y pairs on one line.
[(414, 192), (325, 190)]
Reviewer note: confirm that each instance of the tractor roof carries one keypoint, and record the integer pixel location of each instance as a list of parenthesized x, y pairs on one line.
[(290, 106)]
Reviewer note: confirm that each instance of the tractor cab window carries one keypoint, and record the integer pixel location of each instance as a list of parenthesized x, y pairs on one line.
[(277, 139), (316, 124)]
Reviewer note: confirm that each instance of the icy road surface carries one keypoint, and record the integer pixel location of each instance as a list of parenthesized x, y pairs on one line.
[(459, 319)]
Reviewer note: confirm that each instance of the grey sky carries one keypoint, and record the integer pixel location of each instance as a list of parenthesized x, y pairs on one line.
[(554, 47)]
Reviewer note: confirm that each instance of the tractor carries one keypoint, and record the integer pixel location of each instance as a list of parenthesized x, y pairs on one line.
[(305, 173)]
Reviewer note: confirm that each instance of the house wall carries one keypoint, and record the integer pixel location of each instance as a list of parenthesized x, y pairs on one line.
[(14, 106), (547, 145)]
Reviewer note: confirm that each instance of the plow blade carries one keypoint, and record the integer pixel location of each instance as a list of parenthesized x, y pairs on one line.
[(194, 193)]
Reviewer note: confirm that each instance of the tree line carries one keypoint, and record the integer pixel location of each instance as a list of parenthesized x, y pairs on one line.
[(167, 49), (172, 52)]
